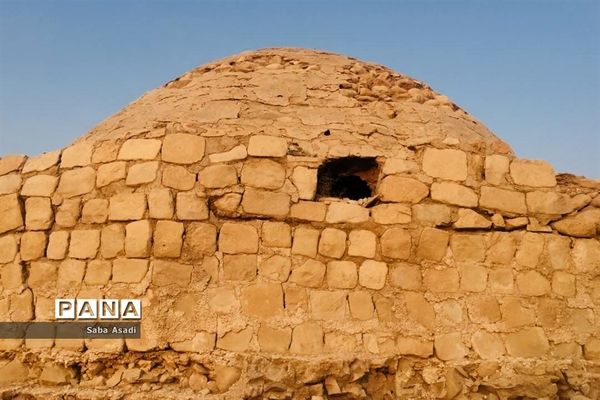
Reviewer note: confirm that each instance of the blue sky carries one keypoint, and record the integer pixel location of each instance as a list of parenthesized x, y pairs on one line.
[(530, 70)]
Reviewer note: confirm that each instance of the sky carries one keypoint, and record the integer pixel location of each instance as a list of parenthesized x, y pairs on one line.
[(529, 69)]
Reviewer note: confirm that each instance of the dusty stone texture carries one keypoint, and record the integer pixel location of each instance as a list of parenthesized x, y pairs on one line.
[(458, 271)]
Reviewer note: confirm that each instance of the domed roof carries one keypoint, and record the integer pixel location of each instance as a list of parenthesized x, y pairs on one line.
[(301, 94)]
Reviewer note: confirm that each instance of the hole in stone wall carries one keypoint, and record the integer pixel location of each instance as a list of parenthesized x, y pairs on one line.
[(354, 178)]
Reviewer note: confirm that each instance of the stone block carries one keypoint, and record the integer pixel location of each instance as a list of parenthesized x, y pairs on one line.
[(228, 203), (8, 248), (530, 250), (527, 343), (267, 146), (38, 213), (84, 243), (448, 313), (453, 193), (218, 176), (235, 340), (372, 274), (363, 243), (263, 202), (342, 275), (541, 202), (432, 244), (309, 274), (361, 305), (398, 166), (448, 164), (449, 347), (200, 240), (112, 241), (223, 300), (586, 255), (177, 177), (127, 207), (191, 207), (487, 345), (262, 300), (305, 241), (277, 234), (502, 248), (558, 252), (166, 273), (98, 272), (496, 168), (160, 204), (263, 173), (414, 347), (167, 239), (236, 153), (396, 243), (42, 274), (532, 173), (276, 268), (338, 212), (532, 283), (77, 155), (503, 200), (400, 189), (332, 243), (326, 305), (441, 281), (139, 149), (239, 267), (111, 172), (21, 306), (10, 213), (468, 247), (142, 173), (41, 162), (473, 278), (307, 338), (431, 214), (405, 276), (39, 186), (33, 245), (11, 276), (309, 211), (95, 211), (305, 180), (469, 219), (105, 151), (70, 273), (515, 315), (11, 163), (386, 214), (238, 238), (274, 340), (76, 182), (128, 270), (483, 309), (585, 223), (563, 284), (591, 349), (138, 239), (180, 148)]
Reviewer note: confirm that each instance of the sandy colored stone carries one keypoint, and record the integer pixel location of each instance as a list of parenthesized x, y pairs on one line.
[(273, 339), (160, 204), (130, 270), (528, 342), (469, 219), (445, 280), (509, 201), (530, 250), (483, 309), (180, 148), (591, 349), (276, 268), (235, 153), (361, 305), (94, 211), (39, 186), (309, 274), (111, 172), (267, 146), (586, 223), (38, 213), (391, 214), (138, 239), (223, 300), (341, 275), (432, 244), (239, 267), (10, 183), (44, 273), (262, 300), (563, 284), (139, 149), (305, 180), (139, 174), (127, 207), (238, 238), (166, 273), (178, 177), (532, 173), (70, 273), (8, 248), (41, 162), (344, 212), (167, 240), (218, 176), (105, 151), (414, 347), (431, 214), (98, 272), (402, 190), (327, 305), (11, 276), (372, 274), (190, 207), (398, 165), (405, 276), (396, 243), (305, 241), (487, 345), (467, 247), (586, 255), (77, 155), (228, 203), (332, 243), (263, 202), (10, 213), (501, 280), (532, 283), (496, 169), (473, 278), (449, 347), (446, 164), (33, 245), (84, 243), (112, 241), (308, 211), (76, 182), (453, 193), (13, 372), (544, 202), (11, 163), (276, 234), (307, 338), (362, 243), (263, 173), (200, 240)]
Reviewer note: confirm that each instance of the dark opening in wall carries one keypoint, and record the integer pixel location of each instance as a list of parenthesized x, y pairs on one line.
[(354, 178)]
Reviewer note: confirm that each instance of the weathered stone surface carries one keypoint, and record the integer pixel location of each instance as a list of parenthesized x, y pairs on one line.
[(372, 274), (549, 202), (8, 248), (160, 204), (190, 207), (362, 243), (309, 274), (309, 211), (263, 173), (505, 200), (77, 155), (453, 193), (305, 241), (467, 247), (39, 185), (236, 153), (262, 300), (307, 338), (112, 241), (200, 240), (402, 190), (179, 148), (487, 345), (166, 273), (344, 212), (239, 267), (276, 234), (70, 273), (341, 275), (586, 223), (563, 284), (129, 270), (446, 164), (95, 211), (238, 238), (167, 239), (405, 276), (142, 173), (445, 280), (529, 342), (473, 278), (391, 214), (38, 213), (218, 176), (432, 214), (496, 169), (41, 162), (127, 207), (177, 177), (110, 172), (326, 305), (263, 202), (469, 219), (332, 243), (586, 255), (11, 163), (305, 180), (276, 340), (98, 272), (414, 347), (138, 239), (10, 183), (267, 146), (76, 182), (432, 244), (396, 243), (139, 149), (276, 268), (532, 173), (449, 347), (532, 283), (84, 243)]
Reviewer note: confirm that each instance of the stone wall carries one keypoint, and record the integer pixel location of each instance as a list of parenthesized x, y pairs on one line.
[(467, 275)]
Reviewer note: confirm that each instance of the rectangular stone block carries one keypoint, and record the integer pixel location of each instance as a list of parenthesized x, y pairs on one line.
[(129, 270), (181, 148), (263, 202), (190, 207), (127, 207), (505, 200), (139, 149), (38, 213), (39, 186), (168, 239), (338, 212), (267, 146), (84, 243), (309, 211), (238, 238), (10, 213), (276, 234), (448, 164), (239, 267), (138, 239), (166, 273)]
